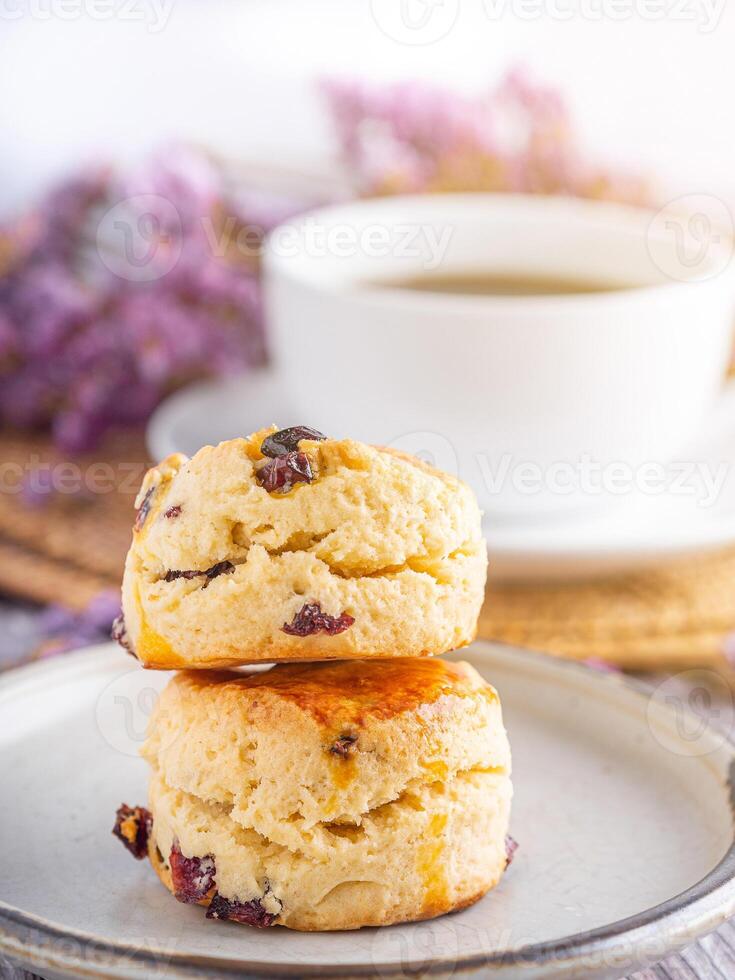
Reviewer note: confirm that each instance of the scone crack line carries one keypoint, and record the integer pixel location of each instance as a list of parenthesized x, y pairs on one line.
[(361, 823), (241, 818), (420, 564), (433, 568), (297, 542), (412, 789)]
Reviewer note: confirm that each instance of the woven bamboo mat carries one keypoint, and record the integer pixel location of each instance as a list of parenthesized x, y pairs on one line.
[(65, 526), (654, 620)]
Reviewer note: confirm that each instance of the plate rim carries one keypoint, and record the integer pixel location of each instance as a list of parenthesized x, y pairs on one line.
[(706, 903)]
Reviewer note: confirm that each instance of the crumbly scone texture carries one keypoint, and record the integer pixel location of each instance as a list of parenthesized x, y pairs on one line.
[(377, 535), (341, 794)]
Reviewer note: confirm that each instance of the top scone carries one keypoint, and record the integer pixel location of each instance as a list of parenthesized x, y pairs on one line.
[(280, 547)]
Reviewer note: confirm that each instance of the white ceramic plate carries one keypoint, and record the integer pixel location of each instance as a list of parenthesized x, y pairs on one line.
[(622, 813), (621, 534)]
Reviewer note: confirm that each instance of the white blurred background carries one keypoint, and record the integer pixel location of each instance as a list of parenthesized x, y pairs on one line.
[(238, 76)]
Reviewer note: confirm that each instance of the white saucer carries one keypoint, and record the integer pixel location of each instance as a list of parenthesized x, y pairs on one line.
[(621, 812), (623, 534)]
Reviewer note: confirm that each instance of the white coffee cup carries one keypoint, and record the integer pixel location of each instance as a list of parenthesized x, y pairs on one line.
[(516, 394)]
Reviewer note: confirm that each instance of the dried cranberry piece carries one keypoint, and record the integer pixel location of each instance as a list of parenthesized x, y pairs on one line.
[(286, 440), (221, 568), (310, 619), (144, 509), (344, 746), (511, 846), (132, 827), (192, 878), (119, 633), (280, 474), (249, 913), (173, 573), (173, 511)]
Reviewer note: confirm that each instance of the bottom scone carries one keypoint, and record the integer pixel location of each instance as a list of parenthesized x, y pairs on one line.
[(326, 796)]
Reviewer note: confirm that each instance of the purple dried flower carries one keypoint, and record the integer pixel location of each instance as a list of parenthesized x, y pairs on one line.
[(37, 488), (65, 629), (412, 137), (57, 619), (102, 609), (82, 350)]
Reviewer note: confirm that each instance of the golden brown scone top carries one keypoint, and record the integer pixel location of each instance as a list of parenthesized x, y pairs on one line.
[(349, 691)]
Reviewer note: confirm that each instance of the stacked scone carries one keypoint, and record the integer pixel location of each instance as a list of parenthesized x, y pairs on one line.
[(359, 781)]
